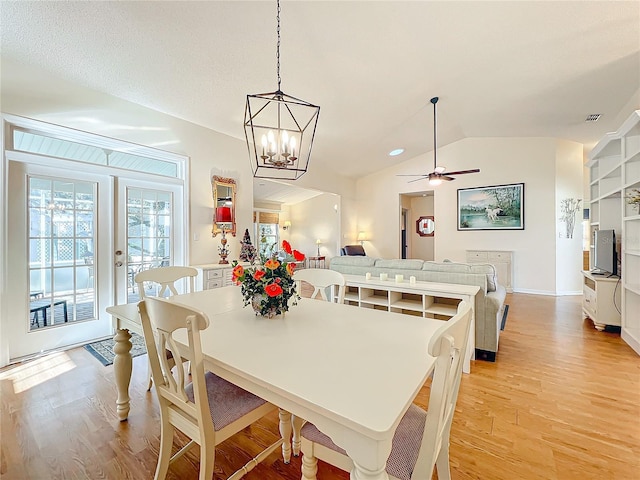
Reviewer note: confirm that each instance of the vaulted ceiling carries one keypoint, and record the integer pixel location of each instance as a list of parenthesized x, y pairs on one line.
[(504, 68)]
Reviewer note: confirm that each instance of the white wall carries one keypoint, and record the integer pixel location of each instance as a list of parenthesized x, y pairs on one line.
[(421, 247), (210, 152), (316, 219), (569, 160), (531, 161)]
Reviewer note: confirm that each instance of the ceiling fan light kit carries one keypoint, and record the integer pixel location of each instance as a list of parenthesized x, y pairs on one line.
[(279, 130), (438, 175)]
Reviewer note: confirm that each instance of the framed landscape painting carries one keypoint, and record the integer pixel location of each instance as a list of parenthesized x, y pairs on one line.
[(498, 207)]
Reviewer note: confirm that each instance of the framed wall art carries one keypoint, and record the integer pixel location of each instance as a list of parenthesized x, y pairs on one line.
[(497, 207)]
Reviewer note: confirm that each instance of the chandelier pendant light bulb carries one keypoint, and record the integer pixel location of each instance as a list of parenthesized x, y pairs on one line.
[(279, 130)]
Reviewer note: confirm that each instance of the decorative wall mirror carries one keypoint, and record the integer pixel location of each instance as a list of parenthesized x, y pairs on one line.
[(425, 226), (224, 205)]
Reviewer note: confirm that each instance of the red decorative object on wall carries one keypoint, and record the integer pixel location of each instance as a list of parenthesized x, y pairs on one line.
[(425, 226), (223, 214)]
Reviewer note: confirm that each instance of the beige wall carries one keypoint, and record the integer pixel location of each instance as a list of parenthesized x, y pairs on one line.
[(421, 247), (531, 161), (210, 152)]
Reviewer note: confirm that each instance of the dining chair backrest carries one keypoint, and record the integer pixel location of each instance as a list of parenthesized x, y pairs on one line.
[(421, 440), (448, 345), (165, 278), (209, 409), (322, 279), (164, 318)]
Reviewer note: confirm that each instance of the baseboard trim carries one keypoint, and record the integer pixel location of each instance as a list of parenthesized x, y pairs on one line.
[(545, 292)]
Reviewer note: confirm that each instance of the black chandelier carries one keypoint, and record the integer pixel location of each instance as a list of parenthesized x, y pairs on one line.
[(279, 130)]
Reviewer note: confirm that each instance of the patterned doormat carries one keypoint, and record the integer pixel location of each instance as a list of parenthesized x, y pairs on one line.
[(103, 350)]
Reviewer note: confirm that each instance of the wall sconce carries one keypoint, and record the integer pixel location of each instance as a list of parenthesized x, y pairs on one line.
[(287, 225), (361, 237)]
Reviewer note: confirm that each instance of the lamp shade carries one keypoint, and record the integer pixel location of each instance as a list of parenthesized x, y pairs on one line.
[(223, 215)]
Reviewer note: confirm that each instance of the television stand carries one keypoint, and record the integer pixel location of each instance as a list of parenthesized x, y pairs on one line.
[(601, 300)]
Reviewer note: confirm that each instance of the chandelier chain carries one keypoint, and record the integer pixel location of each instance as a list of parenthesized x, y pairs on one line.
[(278, 46)]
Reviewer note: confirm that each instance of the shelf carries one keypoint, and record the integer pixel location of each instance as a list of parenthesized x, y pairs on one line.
[(441, 309), (375, 300), (633, 288), (351, 296), (408, 305), (611, 193)]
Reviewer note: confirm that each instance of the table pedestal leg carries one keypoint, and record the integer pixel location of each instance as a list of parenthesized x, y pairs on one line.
[(285, 433), (122, 365), (297, 426)]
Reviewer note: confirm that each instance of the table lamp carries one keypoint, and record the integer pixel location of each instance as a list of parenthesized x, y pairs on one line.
[(318, 243)]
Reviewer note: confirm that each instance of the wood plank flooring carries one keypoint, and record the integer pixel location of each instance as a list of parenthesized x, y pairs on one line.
[(562, 402)]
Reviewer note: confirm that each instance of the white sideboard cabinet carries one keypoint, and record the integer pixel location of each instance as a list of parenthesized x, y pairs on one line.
[(501, 259), (601, 299), (214, 275)]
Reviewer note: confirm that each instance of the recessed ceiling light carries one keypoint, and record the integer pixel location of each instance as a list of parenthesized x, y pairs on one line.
[(396, 152), (593, 117)]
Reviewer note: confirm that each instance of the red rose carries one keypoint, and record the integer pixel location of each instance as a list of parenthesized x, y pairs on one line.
[(258, 275), (286, 246), (273, 290), (299, 256)]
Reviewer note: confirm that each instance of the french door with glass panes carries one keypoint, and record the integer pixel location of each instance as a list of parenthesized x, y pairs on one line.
[(150, 228), (76, 245), (59, 258)]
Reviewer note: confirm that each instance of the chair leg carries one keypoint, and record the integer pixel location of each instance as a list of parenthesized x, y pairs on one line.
[(442, 463), (166, 442), (207, 459), (309, 467), (149, 379)]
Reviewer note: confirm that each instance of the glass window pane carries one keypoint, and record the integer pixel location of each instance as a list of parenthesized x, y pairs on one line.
[(40, 281)]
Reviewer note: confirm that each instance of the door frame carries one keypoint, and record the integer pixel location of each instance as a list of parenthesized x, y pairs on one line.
[(6, 141)]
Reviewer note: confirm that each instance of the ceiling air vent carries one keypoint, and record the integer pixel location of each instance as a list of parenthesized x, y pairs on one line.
[(593, 117)]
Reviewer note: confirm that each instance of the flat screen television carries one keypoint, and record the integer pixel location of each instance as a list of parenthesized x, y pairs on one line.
[(605, 252)]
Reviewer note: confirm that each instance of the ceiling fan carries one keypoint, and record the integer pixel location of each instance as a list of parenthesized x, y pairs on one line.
[(439, 174)]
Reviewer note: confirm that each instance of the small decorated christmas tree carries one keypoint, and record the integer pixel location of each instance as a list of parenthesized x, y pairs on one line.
[(247, 250)]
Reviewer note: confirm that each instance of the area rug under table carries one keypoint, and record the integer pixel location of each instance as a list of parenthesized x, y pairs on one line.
[(103, 350)]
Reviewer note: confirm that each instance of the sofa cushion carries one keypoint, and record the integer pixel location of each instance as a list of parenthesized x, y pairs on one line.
[(400, 264), (449, 267), (353, 261), (490, 271)]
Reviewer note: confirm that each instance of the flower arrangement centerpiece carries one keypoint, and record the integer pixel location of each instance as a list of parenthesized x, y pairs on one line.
[(269, 287)]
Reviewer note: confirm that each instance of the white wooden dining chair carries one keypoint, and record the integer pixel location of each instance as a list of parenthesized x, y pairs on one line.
[(209, 409), (421, 440), (321, 279), (164, 279)]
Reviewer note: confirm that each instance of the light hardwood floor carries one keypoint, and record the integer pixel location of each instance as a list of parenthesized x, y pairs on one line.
[(561, 403)]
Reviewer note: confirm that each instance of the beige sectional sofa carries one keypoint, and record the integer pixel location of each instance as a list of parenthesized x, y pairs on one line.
[(489, 301)]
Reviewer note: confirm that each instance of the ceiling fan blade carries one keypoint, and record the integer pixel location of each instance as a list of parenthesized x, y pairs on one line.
[(424, 177), (411, 175), (444, 177), (461, 172)]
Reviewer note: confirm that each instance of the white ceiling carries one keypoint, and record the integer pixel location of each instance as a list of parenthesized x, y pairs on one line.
[(503, 68)]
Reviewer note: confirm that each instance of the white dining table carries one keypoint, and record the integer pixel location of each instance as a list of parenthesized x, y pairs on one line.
[(351, 371)]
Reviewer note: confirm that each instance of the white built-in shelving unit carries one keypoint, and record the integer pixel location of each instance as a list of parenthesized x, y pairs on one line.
[(615, 172)]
